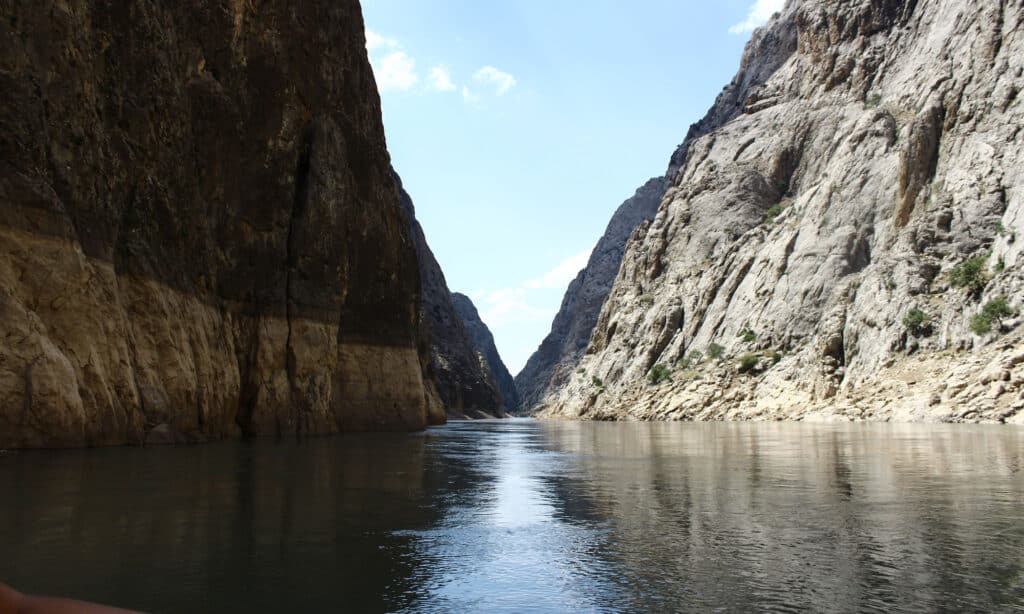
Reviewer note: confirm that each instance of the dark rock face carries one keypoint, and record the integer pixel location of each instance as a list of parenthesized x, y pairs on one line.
[(465, 386), (482, 340), (555, 360), (199, 224)]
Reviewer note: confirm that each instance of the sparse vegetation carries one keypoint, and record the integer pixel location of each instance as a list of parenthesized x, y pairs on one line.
[(690, 360), (1000, 229), (596, 381), (748, 362), (659, 373), (580, 371), (1000, 265), (993, 313), (970, 274), (647, 300), (917, 322), (773, 212), (873, 101), (748, 335), (715, 351), (775, 357)]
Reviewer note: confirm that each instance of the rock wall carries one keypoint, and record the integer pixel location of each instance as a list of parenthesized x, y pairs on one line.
[(464, 385), (838, 231), (200, 230), (555, 360), (482, 341)]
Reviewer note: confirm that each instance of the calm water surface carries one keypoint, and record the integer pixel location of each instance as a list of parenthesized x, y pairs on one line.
[(532, 516)]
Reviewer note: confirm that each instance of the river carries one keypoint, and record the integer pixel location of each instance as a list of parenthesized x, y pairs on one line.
[(532, 516)]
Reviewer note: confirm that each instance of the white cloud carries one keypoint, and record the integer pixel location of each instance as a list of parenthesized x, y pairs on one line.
[(500, 308), (395, 71), (489, 75), (758, 15), (441, 79), (375, 40), (469, 97), (563, 273)]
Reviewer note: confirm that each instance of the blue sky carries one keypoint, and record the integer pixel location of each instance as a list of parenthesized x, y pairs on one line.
[(519, 126)]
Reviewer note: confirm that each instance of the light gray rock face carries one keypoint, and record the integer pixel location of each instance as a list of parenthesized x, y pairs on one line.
[(864, 151), (482, 341), (465, 387), (555, 360)]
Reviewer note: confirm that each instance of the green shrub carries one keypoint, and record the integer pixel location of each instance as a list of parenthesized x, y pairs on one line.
[(998, 309), (775, 357), (748, 361), (970, 274), (773, 212), (994, 312), (692, 359), (647, 300), (747, 335), (873, 101), (1000, 265), (596, 381), (659, 373), (917, 322), (715, 351), (981, 324)]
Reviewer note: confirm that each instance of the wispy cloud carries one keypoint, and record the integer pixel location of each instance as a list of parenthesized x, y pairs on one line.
[(499, 79), (441, 79), (395, 71), (469, 97), (758, 15), (562, 273), (375, 40), (507, 306)]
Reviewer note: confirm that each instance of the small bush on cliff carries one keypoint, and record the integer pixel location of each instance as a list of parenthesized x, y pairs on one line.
[(873, 101), (747, 334), (659, 373), (970, 274), (690, 360), (715, 351), (994, 312), (748, 362), (917, 322), (775, 357), (596, 381)]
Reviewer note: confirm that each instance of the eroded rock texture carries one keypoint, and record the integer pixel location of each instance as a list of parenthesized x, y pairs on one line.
[(200, 230), (465, 387), (554, 362), (482, 341), (864, 151)]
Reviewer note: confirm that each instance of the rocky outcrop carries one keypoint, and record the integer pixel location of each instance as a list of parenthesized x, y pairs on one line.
[(838, 234), (464, 385), (555, 360), (482, 341), (201, 234)]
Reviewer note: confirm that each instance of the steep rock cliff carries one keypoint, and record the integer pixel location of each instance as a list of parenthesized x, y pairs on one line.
[(464, 385), (200, 231), (555, 360), (851, 205), (482, 341)]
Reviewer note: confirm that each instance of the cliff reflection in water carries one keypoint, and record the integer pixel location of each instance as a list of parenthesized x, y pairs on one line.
[(838, 518), (541, 516)]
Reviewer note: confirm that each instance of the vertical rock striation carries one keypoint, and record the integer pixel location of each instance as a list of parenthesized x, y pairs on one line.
[(464, 384), (839, 228), (200, 230), (482, 341)]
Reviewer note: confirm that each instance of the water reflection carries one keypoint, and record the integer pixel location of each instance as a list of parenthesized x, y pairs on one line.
[(532, 516)]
